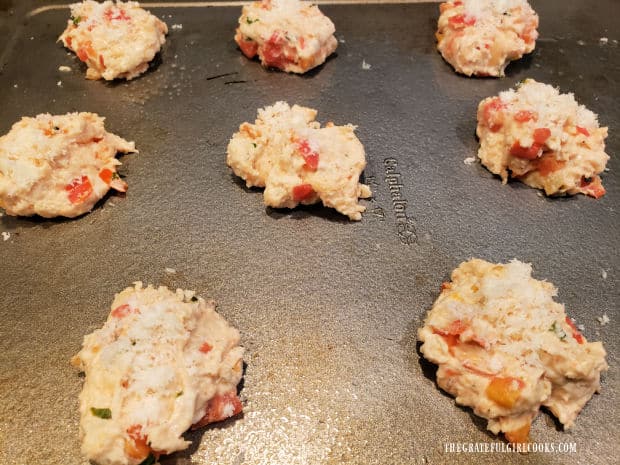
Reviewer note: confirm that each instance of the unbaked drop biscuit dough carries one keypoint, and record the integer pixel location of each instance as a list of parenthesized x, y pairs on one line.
[(505, 348), (58, 165), (480, 37), (115, 40), (543, 138), (296, 161), (291, 35), (163, 362)]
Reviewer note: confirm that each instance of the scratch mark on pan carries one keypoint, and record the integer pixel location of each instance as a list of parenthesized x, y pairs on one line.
[(234, 82), (222, 75)]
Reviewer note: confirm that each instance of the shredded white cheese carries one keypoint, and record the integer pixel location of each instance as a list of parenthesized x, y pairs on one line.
[(6, 236)]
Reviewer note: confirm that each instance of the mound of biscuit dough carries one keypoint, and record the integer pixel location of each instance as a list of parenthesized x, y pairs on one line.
[(480, 37), (288, 153), (163, 362), (58, 165), (543, 138), (115, 40), (290, 35), (505, 348)]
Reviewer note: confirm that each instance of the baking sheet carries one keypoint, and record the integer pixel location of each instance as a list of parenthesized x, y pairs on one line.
[(328, 309)]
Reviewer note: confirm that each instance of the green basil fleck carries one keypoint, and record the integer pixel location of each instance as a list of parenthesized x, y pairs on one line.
[(103, 413), (76, 20), (558, 331), (522, 81), (150, 460), (179, 394), (250, 21), (254, 144)]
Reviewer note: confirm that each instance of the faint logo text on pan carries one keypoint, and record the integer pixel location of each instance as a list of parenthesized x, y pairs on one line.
[(405, 226)]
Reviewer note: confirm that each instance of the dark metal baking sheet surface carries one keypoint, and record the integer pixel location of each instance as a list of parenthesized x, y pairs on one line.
[(328, 309)]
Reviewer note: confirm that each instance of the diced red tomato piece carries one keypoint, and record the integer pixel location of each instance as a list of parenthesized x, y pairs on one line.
[(106, 175), (491, 114), (205, 348), (121, 311), (459, 21), (101, 61), (119, 15), (523, 116), (452, 332), (529, 35), (541, 135), (82, 55), (445, 285), (593, 187), (79, 190), (311, 157), (248, 47), (69, 39), (451, 339), (302, 192), (527, 153), (85, 51), (312, 161), (576, 334), (505, 391), (454, 329), (220, 408), (277, 52), (548, 163), (583, 131), (137, 446)]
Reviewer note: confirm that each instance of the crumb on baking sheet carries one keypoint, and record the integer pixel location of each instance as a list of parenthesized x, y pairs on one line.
[(603, 40), (470, 160), (170, 270), (365, 66), (6, 235), (64, 69), (603, 320), (59, 83), (604, 274), (177, 26)]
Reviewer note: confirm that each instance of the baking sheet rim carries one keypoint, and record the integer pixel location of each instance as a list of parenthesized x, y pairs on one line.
[(64, 6)]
